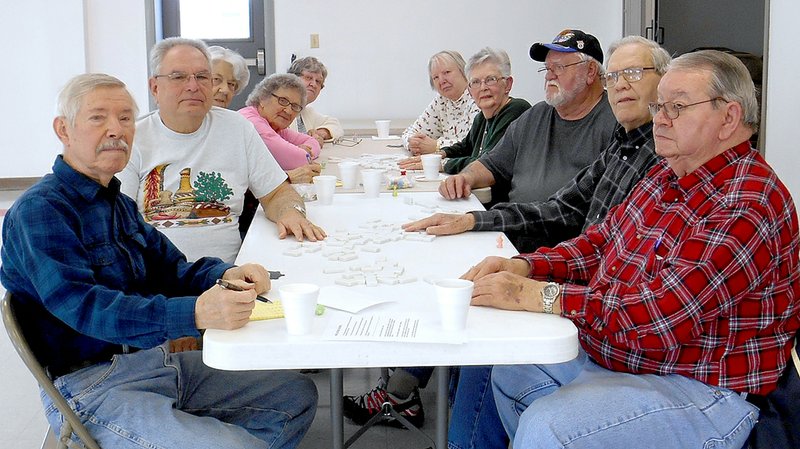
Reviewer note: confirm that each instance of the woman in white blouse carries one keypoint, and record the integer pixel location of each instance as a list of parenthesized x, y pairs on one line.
[(448, 118)]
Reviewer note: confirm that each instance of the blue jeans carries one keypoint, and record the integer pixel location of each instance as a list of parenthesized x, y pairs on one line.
[(422, 373), (474, 422), (155, 399), (579, 404)]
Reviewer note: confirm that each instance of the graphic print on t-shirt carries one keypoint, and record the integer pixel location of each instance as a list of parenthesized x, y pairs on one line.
[(200, 204)]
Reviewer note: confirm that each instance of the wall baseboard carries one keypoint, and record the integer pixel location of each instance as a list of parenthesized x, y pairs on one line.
[(17, 183)]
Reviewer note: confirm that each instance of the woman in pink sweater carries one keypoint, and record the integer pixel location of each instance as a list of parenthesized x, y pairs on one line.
[(271, 107)]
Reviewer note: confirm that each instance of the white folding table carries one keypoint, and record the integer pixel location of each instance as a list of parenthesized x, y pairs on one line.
[(494, 336)]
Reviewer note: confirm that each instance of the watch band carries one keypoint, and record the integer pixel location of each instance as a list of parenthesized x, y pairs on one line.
[(549, 294)]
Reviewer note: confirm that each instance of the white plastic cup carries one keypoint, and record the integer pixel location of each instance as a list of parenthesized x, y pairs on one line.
[(453, 297), (299, 303), (383, 127), (431, 164), (373, 181), (348, 171), (325, 186)]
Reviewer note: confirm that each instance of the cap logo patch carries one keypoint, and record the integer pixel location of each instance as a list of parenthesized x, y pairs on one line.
[(563, 37), (580, 45)]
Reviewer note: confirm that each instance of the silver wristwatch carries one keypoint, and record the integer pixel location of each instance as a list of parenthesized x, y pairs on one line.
[(300, 208), (549, 294)]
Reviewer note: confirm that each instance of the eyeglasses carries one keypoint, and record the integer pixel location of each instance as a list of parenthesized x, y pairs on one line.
[(558, 69), (490, 81), (673, 110), (283, 101), (181, 78), (347, 141), (631, 75), (217, 80)]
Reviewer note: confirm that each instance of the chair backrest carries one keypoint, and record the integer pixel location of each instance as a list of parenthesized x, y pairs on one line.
[(71, 421)]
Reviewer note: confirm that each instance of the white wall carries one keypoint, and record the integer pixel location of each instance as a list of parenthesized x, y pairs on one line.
[(47, 43), (43, 43), (377, 51), (783, 96), (377, 58), (116, 43)]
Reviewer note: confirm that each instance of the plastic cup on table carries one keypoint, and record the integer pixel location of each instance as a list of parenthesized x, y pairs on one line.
[(383, 126), (431, 164), (348, 171), (299, 302), (373, 181), (453, 297), (325, 186)]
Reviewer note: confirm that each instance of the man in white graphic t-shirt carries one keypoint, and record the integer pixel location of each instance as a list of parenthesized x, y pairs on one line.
[(192, 163)]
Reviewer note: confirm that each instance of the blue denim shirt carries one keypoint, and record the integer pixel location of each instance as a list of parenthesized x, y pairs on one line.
[(90, 275)]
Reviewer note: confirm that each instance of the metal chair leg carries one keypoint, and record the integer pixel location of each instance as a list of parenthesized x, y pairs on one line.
[(387, 412)]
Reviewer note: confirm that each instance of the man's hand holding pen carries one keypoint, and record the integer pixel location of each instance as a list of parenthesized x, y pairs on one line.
[(227, 285), (229, 303), (251, 273)]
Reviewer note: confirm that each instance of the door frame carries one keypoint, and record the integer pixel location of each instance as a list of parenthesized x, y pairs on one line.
[(155, 32), (639, 15)]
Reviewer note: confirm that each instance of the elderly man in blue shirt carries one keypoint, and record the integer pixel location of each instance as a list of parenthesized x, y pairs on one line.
[(100, 292)]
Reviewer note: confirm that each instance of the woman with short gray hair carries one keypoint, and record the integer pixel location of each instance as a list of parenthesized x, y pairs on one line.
[(490, 80), (271, 107), (229, 75)]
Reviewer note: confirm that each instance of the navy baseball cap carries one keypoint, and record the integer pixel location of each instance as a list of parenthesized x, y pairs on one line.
[(569, 41)]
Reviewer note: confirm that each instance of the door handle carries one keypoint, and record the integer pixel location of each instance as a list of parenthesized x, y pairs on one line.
[(261, 64)]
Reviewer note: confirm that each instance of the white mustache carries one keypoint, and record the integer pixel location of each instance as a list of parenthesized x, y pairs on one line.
[(113, 144)]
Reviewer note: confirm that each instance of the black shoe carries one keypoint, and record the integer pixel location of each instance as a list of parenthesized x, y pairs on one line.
[(360, 409)]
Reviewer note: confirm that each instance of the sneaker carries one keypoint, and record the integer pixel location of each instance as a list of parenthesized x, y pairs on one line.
[(360, 409)]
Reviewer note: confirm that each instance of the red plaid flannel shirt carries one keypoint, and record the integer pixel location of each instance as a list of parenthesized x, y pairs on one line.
[(695, 276)]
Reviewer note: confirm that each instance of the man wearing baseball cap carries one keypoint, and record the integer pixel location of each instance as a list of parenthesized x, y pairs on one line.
[(569, 41), (547, 145)]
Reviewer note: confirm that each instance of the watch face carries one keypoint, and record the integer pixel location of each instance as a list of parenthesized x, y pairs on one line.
[(550, 290)]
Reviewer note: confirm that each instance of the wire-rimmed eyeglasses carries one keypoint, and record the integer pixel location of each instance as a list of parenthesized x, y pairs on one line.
[(183, 77), (631, 75), (673, 110), (347, 141), (489, 81), (558, 69)]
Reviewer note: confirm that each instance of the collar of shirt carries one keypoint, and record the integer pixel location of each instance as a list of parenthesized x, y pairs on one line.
[(631, 141), (679, 188), (464, 98), (83, 186)]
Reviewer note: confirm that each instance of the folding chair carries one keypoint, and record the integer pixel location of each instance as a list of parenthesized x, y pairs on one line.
[(778, 424), (72, 424)]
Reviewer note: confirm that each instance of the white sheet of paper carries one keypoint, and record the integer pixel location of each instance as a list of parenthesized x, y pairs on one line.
[(389, 328), (346, 299)]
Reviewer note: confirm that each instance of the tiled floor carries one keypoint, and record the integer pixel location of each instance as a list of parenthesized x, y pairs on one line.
[(25, 426)]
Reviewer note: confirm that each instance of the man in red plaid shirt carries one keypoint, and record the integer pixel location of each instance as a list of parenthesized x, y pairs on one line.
[(685, 297)]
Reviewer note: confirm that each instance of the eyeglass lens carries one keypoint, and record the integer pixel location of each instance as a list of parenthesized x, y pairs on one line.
[(283, 101), (557, 69), (183, 77), (631, 75), (489, 81)]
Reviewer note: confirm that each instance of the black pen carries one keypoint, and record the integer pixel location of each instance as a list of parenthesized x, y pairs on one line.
[(229, 286)]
